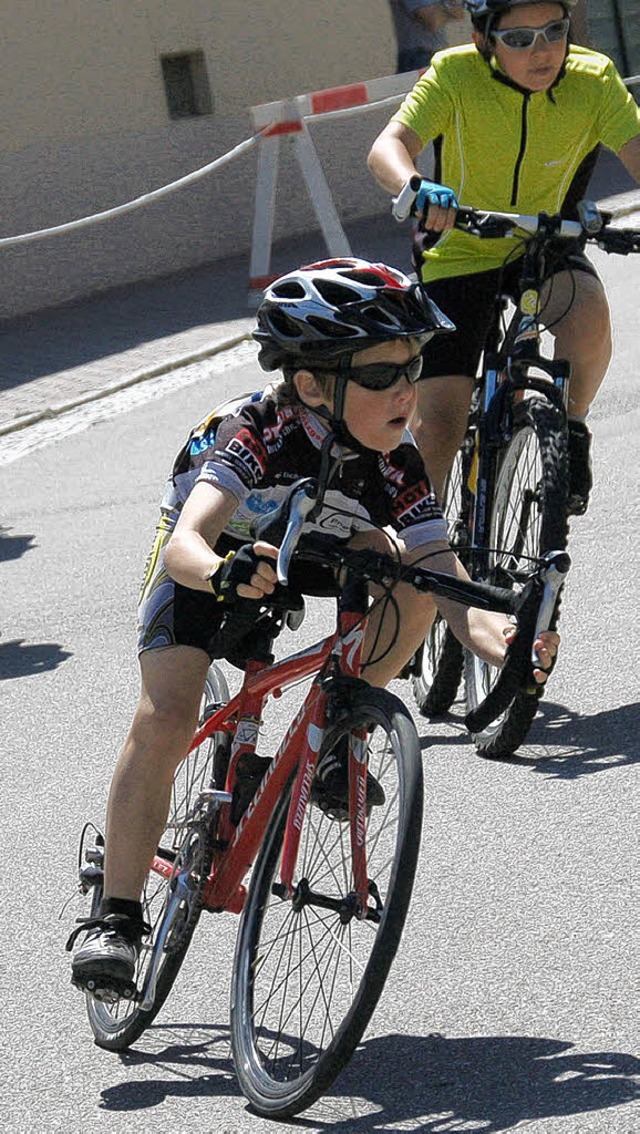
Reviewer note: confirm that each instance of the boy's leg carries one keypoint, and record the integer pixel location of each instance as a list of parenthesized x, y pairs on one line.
[(162, 729), (575, 306), (443, 409)]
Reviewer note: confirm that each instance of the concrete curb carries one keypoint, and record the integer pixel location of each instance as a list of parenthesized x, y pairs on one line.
[(174, 363), (620, 205)]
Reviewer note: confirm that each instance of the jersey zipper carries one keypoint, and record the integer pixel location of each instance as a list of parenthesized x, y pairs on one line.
[(523, 145)]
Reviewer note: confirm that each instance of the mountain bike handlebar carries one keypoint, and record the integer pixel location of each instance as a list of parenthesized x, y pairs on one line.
[(593, 225)]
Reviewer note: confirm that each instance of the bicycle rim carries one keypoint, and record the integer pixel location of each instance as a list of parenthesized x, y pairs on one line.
[(305, 983), (118, 1023), (528, 518)]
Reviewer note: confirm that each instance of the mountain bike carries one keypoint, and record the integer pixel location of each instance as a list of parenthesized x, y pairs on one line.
[(506, 496), (328, 895)]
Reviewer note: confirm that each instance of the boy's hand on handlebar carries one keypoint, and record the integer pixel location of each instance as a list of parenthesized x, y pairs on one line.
[(435, 206), (246, 573), (546, 647)]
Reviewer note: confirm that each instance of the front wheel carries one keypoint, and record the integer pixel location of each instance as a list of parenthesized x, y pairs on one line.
[(307, 977), (171, 906), (528, 518)]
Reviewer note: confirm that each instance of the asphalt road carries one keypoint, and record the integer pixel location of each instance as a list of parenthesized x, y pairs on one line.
[(513, 1001)]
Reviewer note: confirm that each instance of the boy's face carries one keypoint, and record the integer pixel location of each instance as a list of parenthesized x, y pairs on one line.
[(376, 418), (537, 67)]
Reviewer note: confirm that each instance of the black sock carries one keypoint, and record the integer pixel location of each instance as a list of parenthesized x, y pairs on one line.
[(123, 906)]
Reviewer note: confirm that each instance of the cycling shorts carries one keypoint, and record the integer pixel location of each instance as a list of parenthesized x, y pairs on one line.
[(172, 615), (469, 302)]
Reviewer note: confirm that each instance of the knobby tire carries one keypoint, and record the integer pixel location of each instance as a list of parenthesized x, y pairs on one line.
[(528, 518)]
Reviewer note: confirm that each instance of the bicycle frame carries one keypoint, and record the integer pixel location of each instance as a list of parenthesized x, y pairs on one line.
[(334, 657), (504, 379)]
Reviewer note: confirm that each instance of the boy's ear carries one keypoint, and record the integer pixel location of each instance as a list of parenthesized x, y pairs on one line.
[(479, 40), (308, 388)]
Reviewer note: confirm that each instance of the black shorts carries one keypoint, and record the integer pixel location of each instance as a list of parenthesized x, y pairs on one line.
[(172, 615), (469, 303)]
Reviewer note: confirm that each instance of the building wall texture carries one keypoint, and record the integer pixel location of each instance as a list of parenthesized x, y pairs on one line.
[(86, 127)]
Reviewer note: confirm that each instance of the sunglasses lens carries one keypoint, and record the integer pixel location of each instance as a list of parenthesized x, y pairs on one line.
[(414, 369), (382, 376), (518, 37), (556, 31)]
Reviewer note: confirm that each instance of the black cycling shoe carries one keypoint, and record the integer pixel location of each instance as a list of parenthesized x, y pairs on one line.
[(105, 964), (330, 788), (580, 472)]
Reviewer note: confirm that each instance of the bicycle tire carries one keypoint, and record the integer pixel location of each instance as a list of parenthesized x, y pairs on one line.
[(440, 659), (528, 517), (283, 1068), (118, 1023)]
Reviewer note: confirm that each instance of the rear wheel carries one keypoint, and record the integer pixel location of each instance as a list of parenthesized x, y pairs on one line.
[(307, 974), (528, 518), (170, 905), (440, 661)]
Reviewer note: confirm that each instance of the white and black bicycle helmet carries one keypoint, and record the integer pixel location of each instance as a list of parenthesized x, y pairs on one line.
[(333, 308)]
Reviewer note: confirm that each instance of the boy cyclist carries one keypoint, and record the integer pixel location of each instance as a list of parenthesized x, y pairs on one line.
[(517, 118), (347, 336)]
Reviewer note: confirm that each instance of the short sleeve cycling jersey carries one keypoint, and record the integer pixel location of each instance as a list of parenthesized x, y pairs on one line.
[(256, 448), (501, 147)]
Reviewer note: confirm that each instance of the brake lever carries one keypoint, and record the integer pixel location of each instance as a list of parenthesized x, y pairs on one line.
[(302, 500)]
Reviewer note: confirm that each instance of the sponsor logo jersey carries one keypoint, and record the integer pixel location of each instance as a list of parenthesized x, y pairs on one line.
[(256, 449)]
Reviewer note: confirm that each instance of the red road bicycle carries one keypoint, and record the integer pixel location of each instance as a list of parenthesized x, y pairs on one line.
[(324, 910)]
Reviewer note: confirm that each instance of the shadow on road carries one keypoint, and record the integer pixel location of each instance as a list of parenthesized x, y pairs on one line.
[(485, 1083), (12, 547), (20, 660), (562, 745)]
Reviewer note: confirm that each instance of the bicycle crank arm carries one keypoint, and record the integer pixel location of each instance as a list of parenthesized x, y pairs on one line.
[(552, 576)]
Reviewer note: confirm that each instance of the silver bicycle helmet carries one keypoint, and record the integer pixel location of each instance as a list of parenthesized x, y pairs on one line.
[(332, 308)]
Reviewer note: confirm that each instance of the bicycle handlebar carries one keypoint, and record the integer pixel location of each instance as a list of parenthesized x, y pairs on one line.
[(488, 224), (533, 605)]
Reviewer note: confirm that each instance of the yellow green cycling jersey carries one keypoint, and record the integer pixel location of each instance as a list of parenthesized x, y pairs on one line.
[(501, 147)]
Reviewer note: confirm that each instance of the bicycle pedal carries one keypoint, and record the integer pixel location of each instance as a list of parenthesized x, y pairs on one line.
[(106, 992)]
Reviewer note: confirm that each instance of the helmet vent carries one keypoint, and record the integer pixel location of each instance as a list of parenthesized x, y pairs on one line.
[(328, 328), (290, 289), (334, 293)]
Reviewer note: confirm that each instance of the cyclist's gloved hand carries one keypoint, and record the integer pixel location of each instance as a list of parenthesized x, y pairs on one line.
[(239, 568), (430, 193)]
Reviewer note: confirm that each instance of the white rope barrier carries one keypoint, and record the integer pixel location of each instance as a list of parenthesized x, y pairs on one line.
[(146, 198), (197, 174)]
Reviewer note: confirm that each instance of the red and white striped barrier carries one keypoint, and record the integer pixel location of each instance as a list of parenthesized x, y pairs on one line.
[(288, 118)]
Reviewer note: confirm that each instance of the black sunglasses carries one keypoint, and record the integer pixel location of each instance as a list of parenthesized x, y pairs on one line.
[(381, 375)]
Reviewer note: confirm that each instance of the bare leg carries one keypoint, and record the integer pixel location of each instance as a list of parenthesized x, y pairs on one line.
[(162, 729), (443, 409), (582, 333)]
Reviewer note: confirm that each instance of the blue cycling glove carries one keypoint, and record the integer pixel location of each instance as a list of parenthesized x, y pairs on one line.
[(430, 193)]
